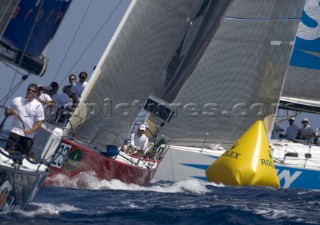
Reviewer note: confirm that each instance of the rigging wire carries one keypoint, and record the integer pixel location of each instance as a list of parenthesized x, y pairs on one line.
[(74, 36), (13, 89), (92, 40), (12, 67)]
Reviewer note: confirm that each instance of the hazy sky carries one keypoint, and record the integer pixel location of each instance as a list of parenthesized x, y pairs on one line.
[(98, 14)]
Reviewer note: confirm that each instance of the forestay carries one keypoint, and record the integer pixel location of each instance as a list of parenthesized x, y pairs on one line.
[(239, 76), (139, 51)]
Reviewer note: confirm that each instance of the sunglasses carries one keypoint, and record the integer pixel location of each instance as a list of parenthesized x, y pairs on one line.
[(72, 78), (34, 91), (83, 78)]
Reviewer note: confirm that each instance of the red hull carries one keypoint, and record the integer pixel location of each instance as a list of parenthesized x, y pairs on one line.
[(72, 159)]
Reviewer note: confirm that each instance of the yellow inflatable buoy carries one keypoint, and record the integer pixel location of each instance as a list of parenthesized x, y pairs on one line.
[(247, 162)]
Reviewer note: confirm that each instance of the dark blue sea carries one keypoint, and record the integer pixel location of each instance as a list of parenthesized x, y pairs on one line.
[(184, 202)]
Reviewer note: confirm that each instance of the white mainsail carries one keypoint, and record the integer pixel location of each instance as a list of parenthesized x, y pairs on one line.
[(239, 76), (142, 46)]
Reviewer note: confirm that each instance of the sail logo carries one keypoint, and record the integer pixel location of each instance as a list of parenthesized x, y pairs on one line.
[(307, 45), (286, 179), (310, 21)]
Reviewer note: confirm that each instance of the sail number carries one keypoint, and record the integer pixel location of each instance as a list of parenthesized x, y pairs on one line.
[(61, 155)]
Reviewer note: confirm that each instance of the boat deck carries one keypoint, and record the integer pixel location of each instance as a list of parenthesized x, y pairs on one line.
[(301, 155), (137, 161), (26, 165)]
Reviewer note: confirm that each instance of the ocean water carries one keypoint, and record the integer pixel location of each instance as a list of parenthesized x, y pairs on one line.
[(185, 202)]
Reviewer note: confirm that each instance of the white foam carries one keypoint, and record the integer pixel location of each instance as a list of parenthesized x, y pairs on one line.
[(48, 209), (88, 180)]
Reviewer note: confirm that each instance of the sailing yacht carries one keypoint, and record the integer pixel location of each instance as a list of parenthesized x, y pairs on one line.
[(26, 27), (238, 80), (118, 97)]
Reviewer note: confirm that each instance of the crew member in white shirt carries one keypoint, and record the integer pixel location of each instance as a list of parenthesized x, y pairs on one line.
[(46, 100), (43, 97), (28, 117), (138, 142), (306, 131), (292, 130)]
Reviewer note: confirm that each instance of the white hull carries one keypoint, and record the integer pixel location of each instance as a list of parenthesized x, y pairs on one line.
[(294, 168), (182, 163)]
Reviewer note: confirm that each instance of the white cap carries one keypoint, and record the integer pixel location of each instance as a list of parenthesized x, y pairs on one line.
[(142, 127), (305, 120)]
